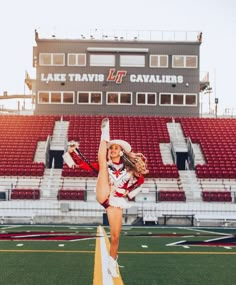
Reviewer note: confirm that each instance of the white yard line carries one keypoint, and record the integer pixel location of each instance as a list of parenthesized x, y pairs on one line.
[(204, 231), (107, 279)]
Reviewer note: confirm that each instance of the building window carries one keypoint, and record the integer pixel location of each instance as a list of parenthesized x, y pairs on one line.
[(178, 61), (178, 99), (89, 97), (132, 60), (157, 60), (68, 97), (53, 59), (191, 61), (191, 99), (125, 98), (112, 98), (45, 59), (165, 99), (96, 97), (43, 97), (141, 99), (146, 99), (55, 97), (184, 61), (58, 59), (76, 59), (102, 60), (181, 99), (83, 98), (122, 98)]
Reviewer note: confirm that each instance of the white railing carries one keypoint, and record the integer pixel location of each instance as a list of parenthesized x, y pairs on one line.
[(130, 35)]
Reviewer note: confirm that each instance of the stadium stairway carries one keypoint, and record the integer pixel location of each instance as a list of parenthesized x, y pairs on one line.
[(198, 154), (165, 149), (40, 153), (59, 136), (175, 130), (190, 185), (177, 136), (50, 184)]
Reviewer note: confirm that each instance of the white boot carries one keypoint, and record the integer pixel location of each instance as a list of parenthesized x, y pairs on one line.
[(105, 128), (113, 267)]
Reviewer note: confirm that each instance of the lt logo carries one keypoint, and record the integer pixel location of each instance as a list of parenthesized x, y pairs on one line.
[(116, 76)]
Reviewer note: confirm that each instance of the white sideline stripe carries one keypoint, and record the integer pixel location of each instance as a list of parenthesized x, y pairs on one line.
[(10, 227), (175, 243), (204, 231), (106, 277), (217, 239)]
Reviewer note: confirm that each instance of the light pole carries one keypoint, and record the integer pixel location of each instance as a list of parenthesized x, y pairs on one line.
[(209, 90)]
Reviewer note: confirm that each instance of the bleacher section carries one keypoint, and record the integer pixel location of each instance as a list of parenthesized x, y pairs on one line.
[(214, 179), (217, 138), (18, 141), (216, 196), (171, 196), (25, 194), (144, 134)]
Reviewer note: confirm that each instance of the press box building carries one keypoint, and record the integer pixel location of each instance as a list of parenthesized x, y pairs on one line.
[(120, 75)]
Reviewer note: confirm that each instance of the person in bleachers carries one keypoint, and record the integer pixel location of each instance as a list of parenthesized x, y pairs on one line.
[(120, 175)]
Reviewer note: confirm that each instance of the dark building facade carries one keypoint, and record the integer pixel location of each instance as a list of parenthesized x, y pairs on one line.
[(117, 77)]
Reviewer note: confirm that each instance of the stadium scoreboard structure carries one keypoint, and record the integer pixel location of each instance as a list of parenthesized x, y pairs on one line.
[(117, 76)]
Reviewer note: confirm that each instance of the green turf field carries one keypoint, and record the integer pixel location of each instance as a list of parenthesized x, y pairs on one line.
[(48, 255)]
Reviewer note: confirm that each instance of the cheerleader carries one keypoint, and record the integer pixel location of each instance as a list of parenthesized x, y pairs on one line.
[(120, 175)]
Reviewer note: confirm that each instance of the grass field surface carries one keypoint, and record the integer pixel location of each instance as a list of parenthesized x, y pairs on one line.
[(72, 255)]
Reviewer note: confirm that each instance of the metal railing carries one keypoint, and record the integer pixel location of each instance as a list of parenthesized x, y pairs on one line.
[(129, 35)]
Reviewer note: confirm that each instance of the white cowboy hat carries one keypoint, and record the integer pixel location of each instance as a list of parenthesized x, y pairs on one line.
[(124, 145)]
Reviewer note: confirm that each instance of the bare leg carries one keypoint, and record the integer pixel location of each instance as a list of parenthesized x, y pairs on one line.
[(115, 221), (102, 186), (102, 193)]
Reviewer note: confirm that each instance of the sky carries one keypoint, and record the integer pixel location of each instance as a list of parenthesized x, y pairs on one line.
[(216, 19)]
